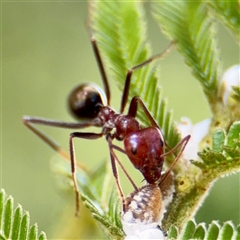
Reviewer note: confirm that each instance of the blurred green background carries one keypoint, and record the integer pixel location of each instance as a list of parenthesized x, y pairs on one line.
[(45, 52)]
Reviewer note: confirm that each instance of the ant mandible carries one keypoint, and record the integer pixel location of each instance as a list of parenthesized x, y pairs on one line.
[(87, 105)]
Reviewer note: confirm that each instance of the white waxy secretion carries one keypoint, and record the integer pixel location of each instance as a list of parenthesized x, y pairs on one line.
[(143, 212)]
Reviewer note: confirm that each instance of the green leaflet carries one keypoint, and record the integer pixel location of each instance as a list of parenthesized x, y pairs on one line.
[(191, 25), (224, 157), (229, 13), (214, 231), (14, 224)]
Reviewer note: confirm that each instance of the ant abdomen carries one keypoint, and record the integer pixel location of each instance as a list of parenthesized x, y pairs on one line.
[(85, 101)]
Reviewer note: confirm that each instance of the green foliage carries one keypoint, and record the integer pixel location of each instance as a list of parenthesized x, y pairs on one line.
[(199, 231), (224, 157), (229, 13), (190, 23), (105, 204), (236, 93), (120, 30), (98, 194), (191, 185), (14, 224)]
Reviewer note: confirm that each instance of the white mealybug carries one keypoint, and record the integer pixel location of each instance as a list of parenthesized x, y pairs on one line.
[(144, 210)]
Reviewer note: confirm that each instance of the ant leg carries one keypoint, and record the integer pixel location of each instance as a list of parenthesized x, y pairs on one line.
[(84, 135), (130, 72), (100, 66), (114, 169), (182, 143), (56, 123), (30, 121), (132, 111), (120, 164), (119, 149)]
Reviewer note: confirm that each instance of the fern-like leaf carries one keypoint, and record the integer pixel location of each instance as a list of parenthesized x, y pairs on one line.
[(229, 13), (120, 30), (224, 157), (14, 224), (191, 25), (214, 231)]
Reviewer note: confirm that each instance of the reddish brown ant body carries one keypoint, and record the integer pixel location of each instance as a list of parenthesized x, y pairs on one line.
[(144, 147)]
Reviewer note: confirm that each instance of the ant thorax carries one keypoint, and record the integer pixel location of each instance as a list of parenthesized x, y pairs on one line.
[(123, 124)]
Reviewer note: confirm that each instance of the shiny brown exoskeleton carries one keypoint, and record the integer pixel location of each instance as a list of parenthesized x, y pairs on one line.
[(144, 147)]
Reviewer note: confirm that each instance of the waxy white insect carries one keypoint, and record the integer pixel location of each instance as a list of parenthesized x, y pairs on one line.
[(145, 208)]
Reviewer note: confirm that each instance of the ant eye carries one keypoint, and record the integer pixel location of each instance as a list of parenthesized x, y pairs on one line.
[(85, 101)]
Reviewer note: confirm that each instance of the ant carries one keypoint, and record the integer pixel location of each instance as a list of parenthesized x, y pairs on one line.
[(143, 146)]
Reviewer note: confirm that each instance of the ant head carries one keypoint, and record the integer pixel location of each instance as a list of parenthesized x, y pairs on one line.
[(86, 100), (145, 148)]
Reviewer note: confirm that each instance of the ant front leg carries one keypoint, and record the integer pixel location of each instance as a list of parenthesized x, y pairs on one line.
[(115, 171), (120, 164), (90, 136)]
